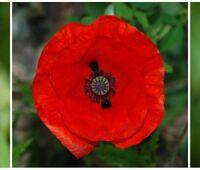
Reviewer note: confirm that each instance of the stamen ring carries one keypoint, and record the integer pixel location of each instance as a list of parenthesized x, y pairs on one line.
[(100, 85)]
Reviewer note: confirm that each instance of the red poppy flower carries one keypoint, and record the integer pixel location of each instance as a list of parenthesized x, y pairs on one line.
[(100, 82)]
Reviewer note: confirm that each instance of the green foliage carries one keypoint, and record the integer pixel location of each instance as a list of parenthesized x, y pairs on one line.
[(173, 39), (168, 68), (195, 81), (142, 18), (4, 119), (172, 8), (144, 6), (94, 9), (165, 24), (4, 84), (87, 20), (19, 150), (142, 156), (4, 31), (123, 10), (27, 94)]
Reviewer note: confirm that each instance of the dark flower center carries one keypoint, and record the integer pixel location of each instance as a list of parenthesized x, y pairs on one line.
[(99, 86)]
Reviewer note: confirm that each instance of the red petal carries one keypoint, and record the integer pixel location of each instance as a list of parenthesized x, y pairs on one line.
[(44, 95), (154, 88), (152, 121), (62, 40), (155, 110), (47, 104)]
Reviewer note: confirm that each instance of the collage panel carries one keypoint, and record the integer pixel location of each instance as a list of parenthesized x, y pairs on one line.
[(45, 125), (195, 77), (4, 84)]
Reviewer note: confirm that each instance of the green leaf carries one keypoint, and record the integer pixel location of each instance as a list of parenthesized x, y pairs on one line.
[(195, 52), (27, 94), (122, 10), (110, 10), (169, 19), (4, 159), (171, 8), (173, 40), (87, 20), (164, 32), (19, 150), (4, 85), (137, 156), (168, 68), (95, 9), (143, 5), (142, 18), (154, 29), (72, 19)]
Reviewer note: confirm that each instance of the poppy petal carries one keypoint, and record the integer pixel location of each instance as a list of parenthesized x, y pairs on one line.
[(155, 92), (153, 119), (48, 111), (62, 40), (45, 98)]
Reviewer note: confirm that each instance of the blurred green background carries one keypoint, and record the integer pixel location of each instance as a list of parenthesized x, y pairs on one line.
[(164, 23), (195, 82), (4, 83)]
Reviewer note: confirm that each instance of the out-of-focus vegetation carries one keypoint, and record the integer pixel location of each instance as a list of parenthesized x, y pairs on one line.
[(164, 23), (4, 84), (195, 82)]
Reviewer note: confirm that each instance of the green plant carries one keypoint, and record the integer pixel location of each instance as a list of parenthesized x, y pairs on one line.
[(4, 84)]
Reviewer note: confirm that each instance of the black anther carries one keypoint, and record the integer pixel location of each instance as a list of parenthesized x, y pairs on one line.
[(105, 104), (94, 67)]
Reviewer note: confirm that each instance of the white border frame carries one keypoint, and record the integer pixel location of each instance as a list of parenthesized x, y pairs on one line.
[(11, 52)]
